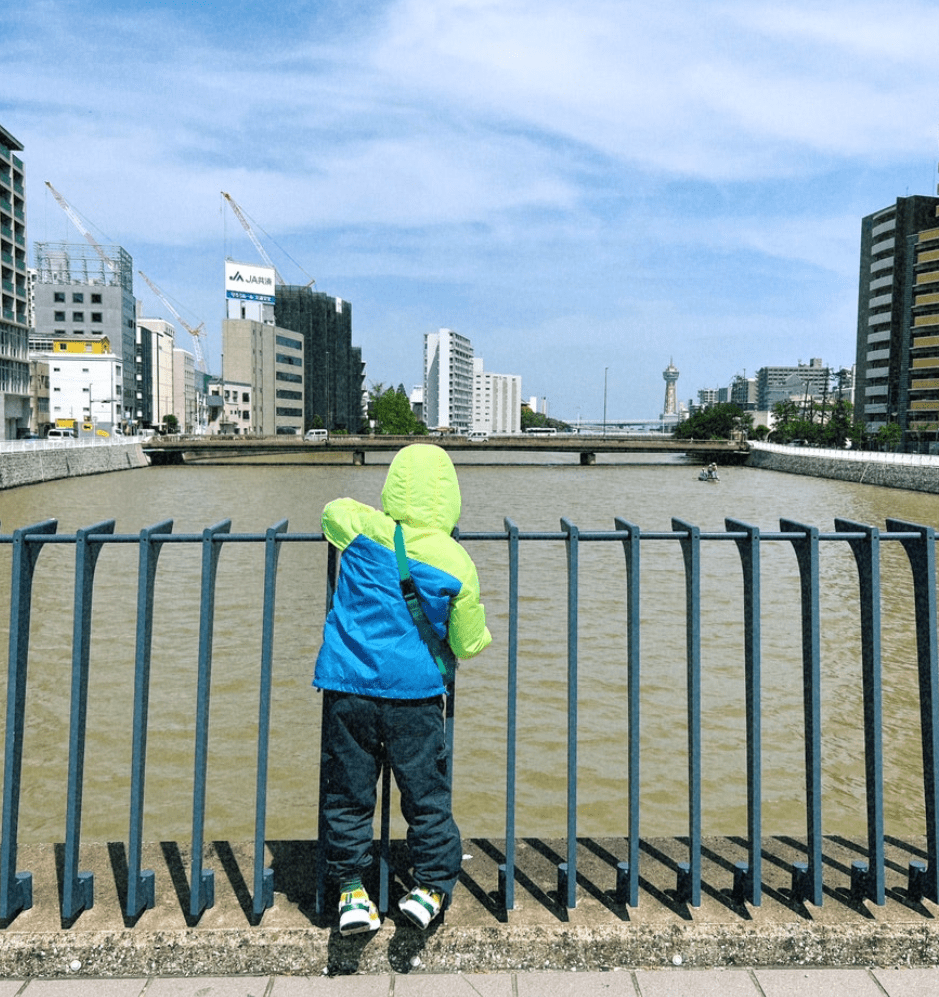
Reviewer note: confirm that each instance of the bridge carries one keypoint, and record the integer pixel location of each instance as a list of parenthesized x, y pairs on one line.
[(285, 449)]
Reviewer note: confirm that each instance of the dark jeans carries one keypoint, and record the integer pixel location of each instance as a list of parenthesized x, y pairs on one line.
[(360, 731)]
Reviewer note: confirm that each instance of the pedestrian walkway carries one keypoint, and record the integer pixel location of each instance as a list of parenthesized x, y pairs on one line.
[(621, 983)]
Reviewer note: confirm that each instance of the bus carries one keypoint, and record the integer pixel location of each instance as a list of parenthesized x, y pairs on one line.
[(542, 431)]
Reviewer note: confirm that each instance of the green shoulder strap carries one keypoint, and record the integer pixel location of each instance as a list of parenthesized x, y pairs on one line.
[(409, 592)]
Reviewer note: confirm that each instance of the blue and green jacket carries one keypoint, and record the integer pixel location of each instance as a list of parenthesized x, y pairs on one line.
[(371, 644)]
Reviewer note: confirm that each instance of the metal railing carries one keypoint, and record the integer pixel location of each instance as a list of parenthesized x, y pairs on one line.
[(67, 443), (806, 541)]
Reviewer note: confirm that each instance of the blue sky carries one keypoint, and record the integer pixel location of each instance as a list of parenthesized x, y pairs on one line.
[(574, 187)]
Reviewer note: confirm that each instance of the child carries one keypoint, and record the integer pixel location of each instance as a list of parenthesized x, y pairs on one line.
[(384, 690)]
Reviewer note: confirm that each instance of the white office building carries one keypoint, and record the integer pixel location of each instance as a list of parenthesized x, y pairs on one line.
[(448, 381)]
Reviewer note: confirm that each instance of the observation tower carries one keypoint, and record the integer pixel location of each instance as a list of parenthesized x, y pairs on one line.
[(671, 395)]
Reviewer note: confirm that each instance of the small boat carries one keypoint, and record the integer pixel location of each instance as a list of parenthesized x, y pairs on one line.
[(709, 473)]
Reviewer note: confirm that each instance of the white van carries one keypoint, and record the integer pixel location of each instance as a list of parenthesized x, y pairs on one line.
[(317, 435), (61, 434)]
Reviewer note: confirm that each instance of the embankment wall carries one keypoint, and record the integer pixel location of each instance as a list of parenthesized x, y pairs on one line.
[(914, 472), (43, 462)]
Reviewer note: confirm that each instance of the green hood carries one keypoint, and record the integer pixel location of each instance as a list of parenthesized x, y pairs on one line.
[(421, 488)]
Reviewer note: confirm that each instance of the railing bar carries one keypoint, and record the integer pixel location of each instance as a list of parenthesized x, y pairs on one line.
[(202, 884), (16, 888), (807, 877), (867, 880), (264, 878), (630, 894), (689, 874), (78, 888), (507, 884), (568, 879), (748, 879), (139, 881), (921, 553), (332, 574)]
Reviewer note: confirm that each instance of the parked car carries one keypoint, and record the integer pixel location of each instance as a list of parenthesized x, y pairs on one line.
[(317, 435), (61, 434), (478, 437)]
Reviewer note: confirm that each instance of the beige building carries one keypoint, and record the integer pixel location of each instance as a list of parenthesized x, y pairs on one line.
[(156, 341), (270, 360), (184, 391), (497, 401)]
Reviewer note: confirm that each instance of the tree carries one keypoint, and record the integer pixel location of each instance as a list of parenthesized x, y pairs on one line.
[(172, 424), (716, 422), (889, 436), (391, 412), (538, 420)]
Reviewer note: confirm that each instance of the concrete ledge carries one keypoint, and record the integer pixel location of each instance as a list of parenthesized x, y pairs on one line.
[(476, 935), (68, 460), (841, 466)]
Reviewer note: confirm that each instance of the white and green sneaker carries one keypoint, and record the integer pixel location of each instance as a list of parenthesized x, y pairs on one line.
[(356, 912), (421, 906)]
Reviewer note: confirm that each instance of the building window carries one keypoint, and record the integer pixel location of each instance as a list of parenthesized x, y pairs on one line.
[(96, 317), (60, 316), (59, 296), (78, 298), (96, 299), (245, 397), (78, 316)]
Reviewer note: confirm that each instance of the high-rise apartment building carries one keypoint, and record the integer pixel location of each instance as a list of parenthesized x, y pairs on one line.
[(83, 293), (497, 401), (333, 374), (14, 293), (448, 381), (897, 366)]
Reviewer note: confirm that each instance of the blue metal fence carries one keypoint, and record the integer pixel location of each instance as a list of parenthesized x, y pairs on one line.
[(864, 541)]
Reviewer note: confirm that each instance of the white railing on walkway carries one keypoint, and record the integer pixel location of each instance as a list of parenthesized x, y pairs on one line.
[(868, 456), (29, 446)]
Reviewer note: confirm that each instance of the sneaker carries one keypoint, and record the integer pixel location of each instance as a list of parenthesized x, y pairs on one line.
[(357, 913), (421, 905)]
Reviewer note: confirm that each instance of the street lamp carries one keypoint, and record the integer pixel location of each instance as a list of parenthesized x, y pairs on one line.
[(605, 369)]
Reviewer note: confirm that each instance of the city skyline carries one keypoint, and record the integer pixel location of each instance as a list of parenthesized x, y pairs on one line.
[(574, 190)]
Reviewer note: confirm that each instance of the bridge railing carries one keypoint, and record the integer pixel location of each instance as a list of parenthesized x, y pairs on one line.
[(625, 631)]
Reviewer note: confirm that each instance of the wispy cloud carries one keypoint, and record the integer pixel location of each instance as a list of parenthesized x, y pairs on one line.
[(494, 165)]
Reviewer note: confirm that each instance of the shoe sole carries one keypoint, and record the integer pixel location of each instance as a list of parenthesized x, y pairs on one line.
[(358, 928), (415, 919)]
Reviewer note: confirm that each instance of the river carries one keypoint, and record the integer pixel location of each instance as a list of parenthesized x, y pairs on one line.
[(535, 495)]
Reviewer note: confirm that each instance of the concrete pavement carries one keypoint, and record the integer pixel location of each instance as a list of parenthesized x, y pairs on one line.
[(618, 983), (661, 946)]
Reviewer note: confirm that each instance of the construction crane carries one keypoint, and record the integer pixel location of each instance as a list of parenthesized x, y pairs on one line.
[(196, 333), (239, 214), (77, 222)]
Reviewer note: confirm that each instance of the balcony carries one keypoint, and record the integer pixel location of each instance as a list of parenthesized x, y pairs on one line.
[(926, 384)]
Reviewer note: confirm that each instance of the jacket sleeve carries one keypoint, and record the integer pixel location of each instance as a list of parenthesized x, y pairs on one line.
[(467, 632), (344, 519)]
